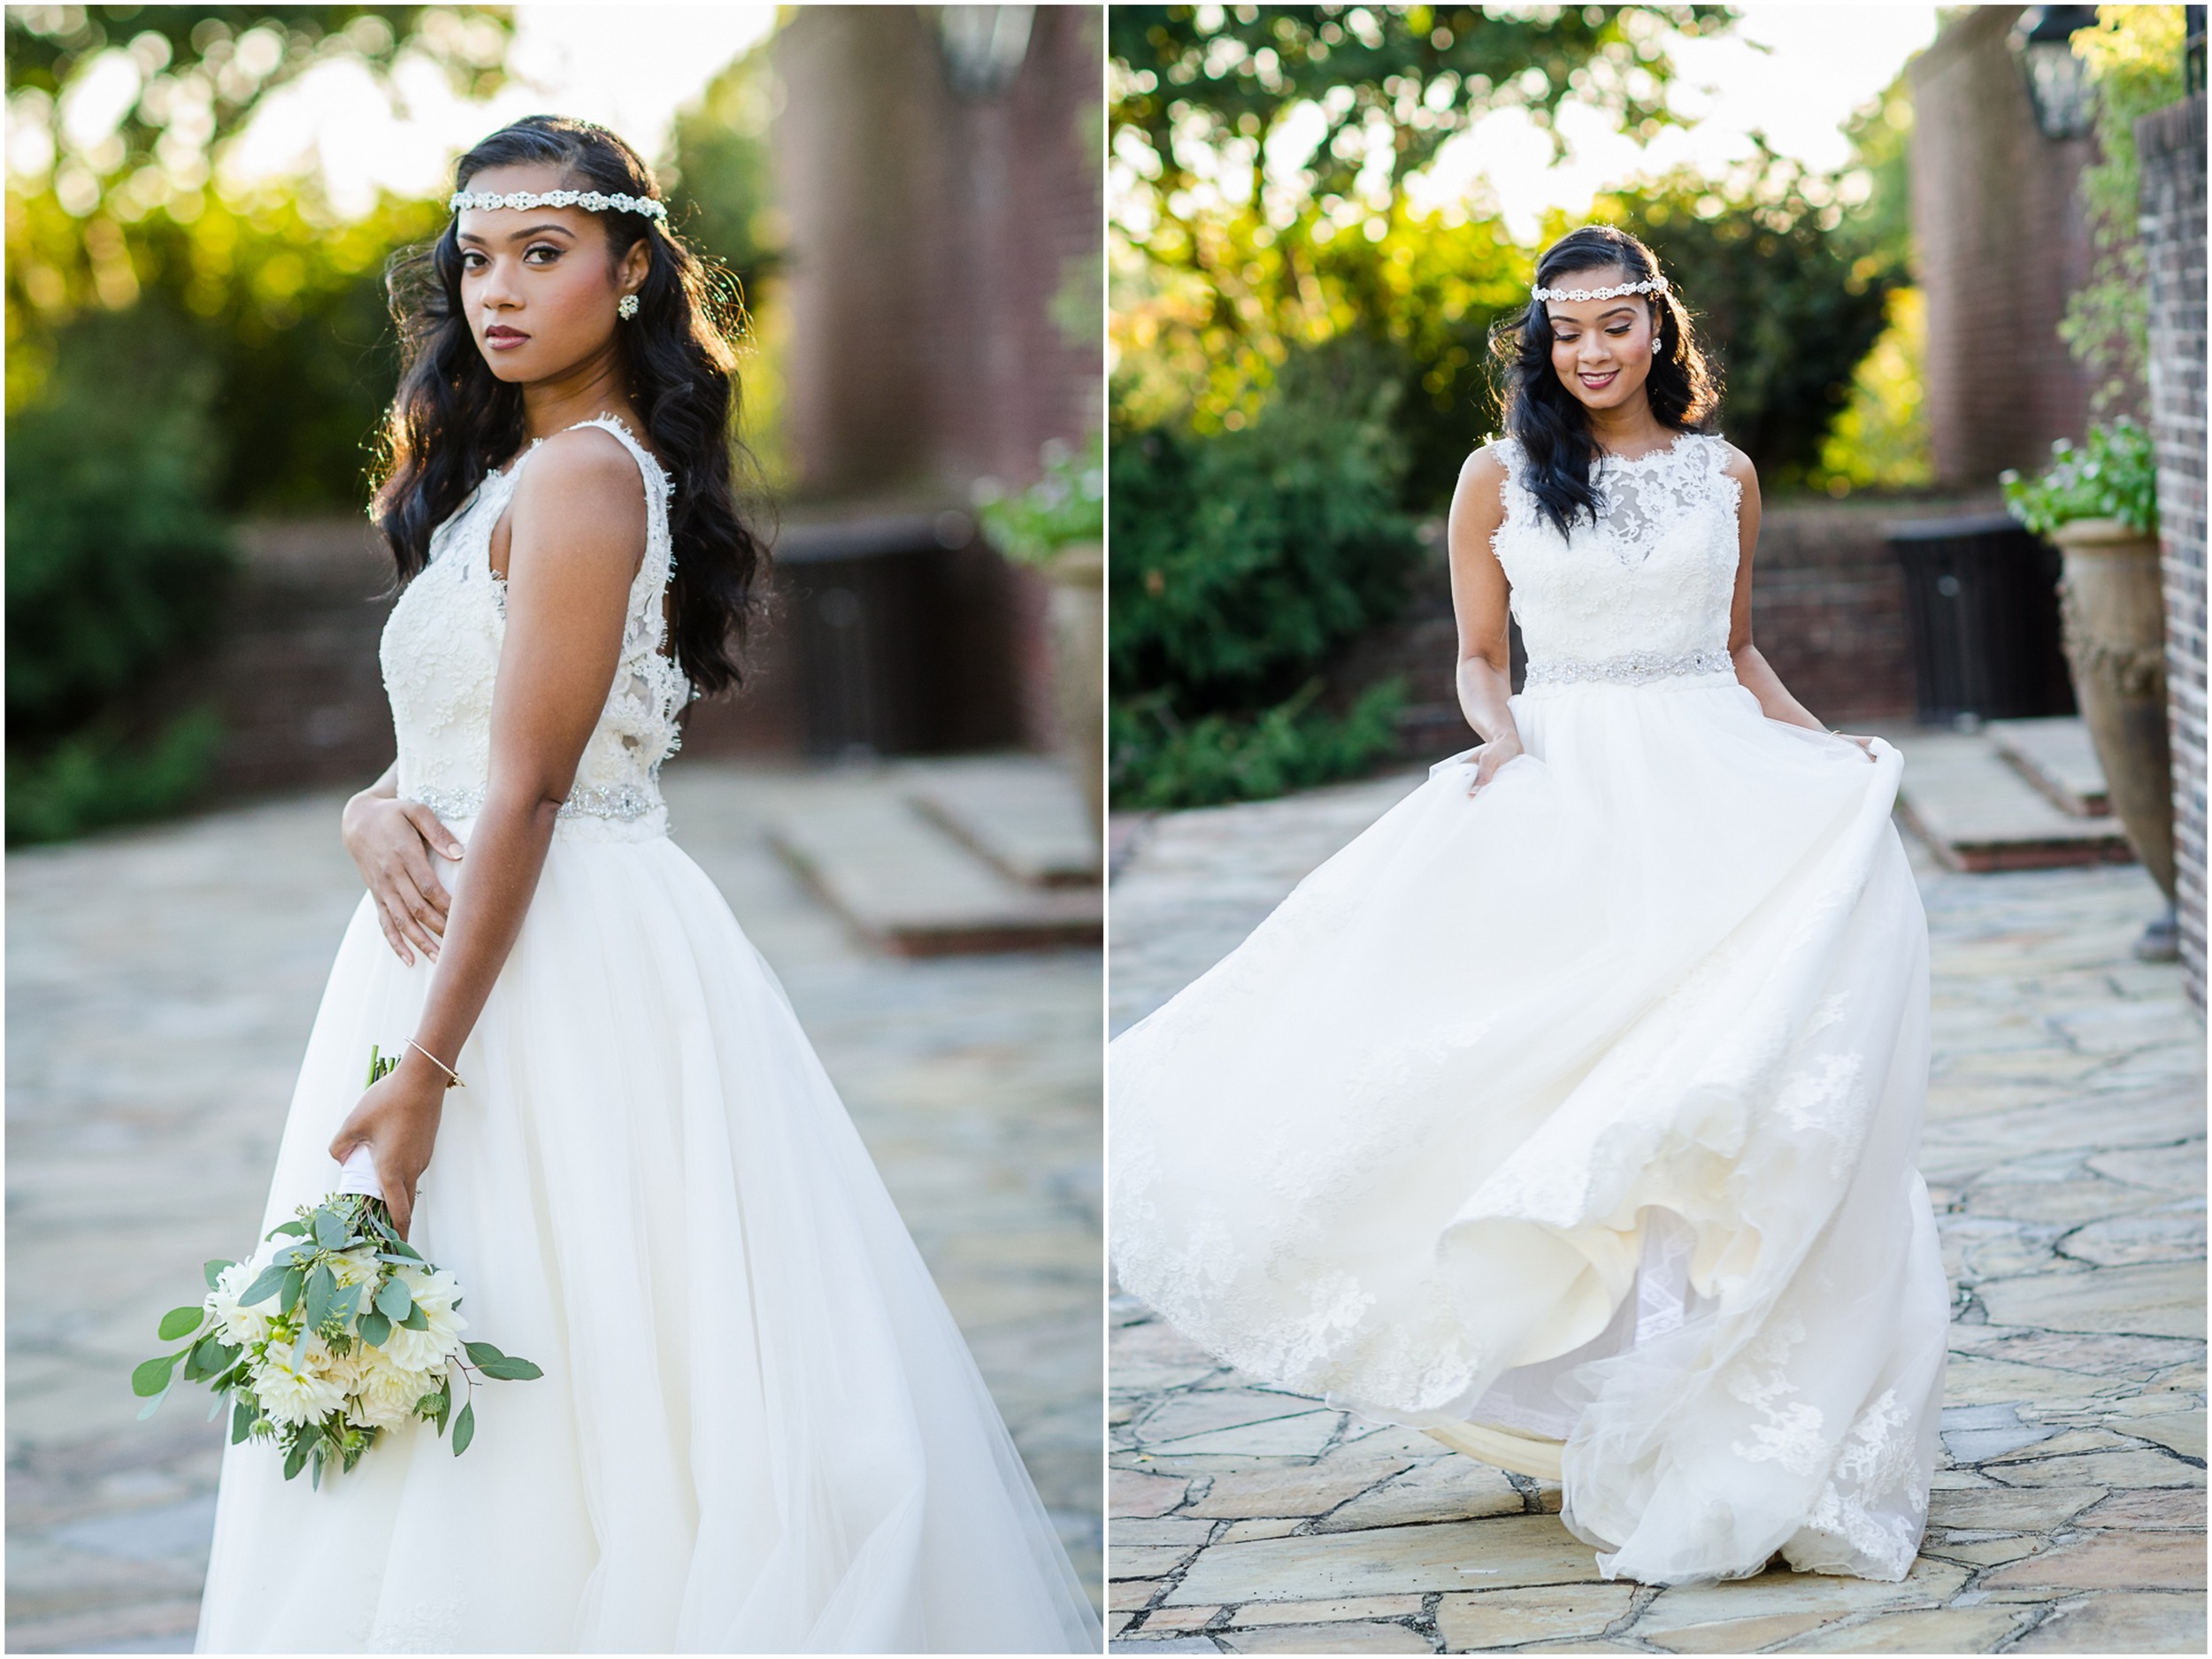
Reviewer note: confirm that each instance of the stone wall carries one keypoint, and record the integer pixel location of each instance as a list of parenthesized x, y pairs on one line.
[(2171, 143), (2000, 244)]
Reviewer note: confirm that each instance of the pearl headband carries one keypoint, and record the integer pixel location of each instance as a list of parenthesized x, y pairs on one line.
[(1657, 285), (595, 201)]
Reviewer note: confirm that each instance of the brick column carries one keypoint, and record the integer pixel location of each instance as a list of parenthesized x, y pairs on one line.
[(2171, 143)]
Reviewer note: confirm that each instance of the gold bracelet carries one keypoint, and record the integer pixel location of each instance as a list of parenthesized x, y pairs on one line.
[(453, 1077)]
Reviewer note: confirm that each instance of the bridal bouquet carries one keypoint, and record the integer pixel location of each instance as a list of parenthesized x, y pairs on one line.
[(341, 1334)]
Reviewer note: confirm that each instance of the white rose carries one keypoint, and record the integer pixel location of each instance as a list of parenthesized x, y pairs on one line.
[(384, 1396), (435, 1294), (356, 1266), (299, 1393), (239, 1326)]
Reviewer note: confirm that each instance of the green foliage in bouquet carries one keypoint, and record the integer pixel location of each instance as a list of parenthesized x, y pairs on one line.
[(1065, 506), (2114, 475), (360, 1334)]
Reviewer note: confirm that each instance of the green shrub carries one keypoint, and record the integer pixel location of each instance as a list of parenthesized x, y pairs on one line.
[(2114, 475), (99, 777), (1242, 560), (1162, 764), (117, 562)]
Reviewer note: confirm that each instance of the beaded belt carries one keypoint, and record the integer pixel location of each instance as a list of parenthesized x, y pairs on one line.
[(623, 801), (1634, 669)]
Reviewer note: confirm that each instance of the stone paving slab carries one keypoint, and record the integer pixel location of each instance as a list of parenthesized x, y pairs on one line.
[(160, 986), (1977, 812), (2055, 754), (2065, 1156), (915, 876)]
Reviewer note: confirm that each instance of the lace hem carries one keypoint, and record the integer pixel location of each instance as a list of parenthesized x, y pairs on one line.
[(1635, 668)]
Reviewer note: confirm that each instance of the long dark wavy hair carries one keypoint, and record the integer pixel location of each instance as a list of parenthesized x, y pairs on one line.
[(1553, 426), (453, 420)]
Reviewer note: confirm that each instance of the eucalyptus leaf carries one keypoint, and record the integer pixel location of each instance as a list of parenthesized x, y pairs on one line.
[(509, 1368), (322, 1285), (463, 1429), (215, 1407), (417, 1319), (375, 1329), (242, 1416), (213, 1270), (265, 1284), (290, 1229), (483, 1353), (330, 1230), (153, 1377), (295, 1460), (394, 1301), (407, 1250), (294, 1281), (344, 1304)]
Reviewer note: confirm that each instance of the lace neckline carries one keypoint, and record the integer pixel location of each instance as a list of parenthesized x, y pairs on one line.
[(1606, 458)]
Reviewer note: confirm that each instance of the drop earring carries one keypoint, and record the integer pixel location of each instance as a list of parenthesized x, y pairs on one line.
[(626, 307)]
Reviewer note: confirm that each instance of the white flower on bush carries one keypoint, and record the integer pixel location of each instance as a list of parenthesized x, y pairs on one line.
[(384, 1396), (301, 1394), (434, 1292), (240, 1326)]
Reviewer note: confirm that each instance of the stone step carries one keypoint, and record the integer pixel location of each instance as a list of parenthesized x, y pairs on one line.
[(1019, 811), (2057, 757), (1977, 812), (899, 878)]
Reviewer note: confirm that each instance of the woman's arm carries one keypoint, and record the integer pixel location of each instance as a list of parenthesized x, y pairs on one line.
[(1479, 597), (577, 534)]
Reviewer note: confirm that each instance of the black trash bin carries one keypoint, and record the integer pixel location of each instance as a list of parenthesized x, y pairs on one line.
[(1981, 606), (865, 599)]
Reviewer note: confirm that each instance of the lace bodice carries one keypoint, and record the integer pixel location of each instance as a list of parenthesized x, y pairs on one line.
[(1642, 596), (441, 659)]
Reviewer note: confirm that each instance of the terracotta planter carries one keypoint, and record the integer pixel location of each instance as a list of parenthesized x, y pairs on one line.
[(2114, 616), (1078, 575)]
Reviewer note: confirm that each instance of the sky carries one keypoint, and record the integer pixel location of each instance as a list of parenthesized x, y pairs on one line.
[(629, 67), (1823, 61)]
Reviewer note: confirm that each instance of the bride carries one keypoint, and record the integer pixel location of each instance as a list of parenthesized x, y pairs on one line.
[(758, 1429), (1570, 1112)]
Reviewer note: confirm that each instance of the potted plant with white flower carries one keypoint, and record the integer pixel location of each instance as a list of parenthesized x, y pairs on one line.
[(1058, 527), (2099, 502)]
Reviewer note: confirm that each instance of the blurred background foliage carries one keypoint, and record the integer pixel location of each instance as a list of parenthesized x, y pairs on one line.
[(2134, 57), (1277, 293), (180, 350)]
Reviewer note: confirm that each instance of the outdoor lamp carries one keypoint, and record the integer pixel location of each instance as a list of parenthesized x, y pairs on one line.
[(2058, 82)]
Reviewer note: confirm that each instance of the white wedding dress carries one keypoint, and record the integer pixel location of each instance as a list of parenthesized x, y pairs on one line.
[(758, 1430), (1576, 1121)]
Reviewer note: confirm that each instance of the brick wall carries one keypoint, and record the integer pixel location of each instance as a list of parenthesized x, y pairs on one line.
[(929, 233), (2171, 143), (2000, 244), (294, 673)]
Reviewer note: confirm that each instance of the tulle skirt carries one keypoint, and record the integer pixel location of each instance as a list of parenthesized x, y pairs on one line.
[(759, 1429), (1576, 1121)]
